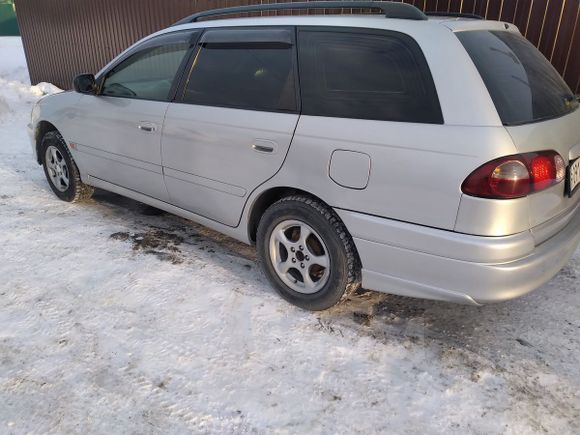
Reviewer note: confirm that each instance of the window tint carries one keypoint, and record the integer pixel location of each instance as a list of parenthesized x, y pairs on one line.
[(370, 76), (522, 83), (256, 75), (150, 73)]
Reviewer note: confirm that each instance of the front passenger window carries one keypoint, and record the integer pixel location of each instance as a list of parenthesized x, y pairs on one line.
[(149, 73)]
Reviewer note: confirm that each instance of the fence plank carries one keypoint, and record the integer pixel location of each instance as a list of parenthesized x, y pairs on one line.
[(65, 37)]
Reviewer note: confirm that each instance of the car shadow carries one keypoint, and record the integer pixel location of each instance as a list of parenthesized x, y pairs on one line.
[(188, 231)]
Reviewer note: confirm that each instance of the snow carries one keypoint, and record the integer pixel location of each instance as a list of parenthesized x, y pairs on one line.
[(115, 319), (14, 81)]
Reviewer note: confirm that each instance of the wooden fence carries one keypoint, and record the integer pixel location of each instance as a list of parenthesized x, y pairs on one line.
[(65, 37)]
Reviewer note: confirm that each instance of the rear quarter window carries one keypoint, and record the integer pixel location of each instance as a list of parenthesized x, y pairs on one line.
[(523, 85), (355, 74)]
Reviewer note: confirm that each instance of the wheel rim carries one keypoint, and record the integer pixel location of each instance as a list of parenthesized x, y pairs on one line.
[(299, 256), (57, 168)]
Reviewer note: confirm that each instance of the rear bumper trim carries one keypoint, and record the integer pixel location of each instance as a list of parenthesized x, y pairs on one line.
[(549, 229), (408, 271)]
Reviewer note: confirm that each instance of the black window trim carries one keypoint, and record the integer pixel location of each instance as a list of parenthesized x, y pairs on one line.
[(195, 35), (405, 38), (278, 35), (180, 91), (541, 119)]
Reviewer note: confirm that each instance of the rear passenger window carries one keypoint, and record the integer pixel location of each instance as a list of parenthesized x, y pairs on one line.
[(366, 76), (245, 69)]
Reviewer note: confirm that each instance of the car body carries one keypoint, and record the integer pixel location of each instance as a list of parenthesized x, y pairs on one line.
[(394, 176)]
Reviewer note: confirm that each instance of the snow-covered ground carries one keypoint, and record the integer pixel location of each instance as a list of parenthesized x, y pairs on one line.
[(114, 319)]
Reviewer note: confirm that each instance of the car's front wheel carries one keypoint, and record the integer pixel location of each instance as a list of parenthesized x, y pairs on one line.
[(60, 169), (307, 253)]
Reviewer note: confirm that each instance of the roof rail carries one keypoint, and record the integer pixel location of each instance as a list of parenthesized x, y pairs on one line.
[(454, 15), (389, 8)]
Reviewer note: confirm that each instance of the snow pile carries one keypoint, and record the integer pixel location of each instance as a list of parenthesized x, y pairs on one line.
[(46, 89), (113, 320), (16, 92)]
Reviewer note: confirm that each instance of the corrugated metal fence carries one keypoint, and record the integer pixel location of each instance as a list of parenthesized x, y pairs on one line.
[(65, 37)]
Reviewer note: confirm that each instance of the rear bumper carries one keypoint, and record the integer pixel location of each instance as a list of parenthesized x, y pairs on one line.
[(416, 261)]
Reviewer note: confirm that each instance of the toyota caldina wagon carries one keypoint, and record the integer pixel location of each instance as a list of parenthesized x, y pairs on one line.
[(430, 157)]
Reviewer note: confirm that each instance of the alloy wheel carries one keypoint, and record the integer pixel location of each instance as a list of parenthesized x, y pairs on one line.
[(299, 256)]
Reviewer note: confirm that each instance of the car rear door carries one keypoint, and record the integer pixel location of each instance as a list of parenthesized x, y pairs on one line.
[(231, 125), (118, 131)]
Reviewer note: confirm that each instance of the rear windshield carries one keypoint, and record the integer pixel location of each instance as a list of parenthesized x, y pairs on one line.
[(522, 83)]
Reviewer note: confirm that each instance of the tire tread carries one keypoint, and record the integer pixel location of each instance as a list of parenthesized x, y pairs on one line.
[(353, 279), (82, 192)]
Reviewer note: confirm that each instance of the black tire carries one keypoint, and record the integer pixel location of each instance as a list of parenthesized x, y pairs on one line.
[(76, 190), (344, 269)]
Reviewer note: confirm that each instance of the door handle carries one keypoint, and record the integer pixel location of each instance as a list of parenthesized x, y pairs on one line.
[(264, 146), (147, 127)]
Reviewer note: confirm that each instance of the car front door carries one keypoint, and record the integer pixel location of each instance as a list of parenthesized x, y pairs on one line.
[(119, 129), (231, 125)]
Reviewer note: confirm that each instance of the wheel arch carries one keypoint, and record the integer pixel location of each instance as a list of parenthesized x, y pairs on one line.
[(42, 128), (268, 197), (264, 200)]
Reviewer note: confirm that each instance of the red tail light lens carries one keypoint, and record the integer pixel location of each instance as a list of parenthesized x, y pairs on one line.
[(543, 170), (516, 176)]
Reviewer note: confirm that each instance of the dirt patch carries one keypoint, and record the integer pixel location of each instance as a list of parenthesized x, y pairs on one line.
[(524, 342), (166, 256), (568, 272), (362, 318), (402, 307), (120, 236), (161, 244), (329, 327)]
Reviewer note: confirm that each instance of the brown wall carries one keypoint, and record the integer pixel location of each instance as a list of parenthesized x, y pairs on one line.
[(65, 37)]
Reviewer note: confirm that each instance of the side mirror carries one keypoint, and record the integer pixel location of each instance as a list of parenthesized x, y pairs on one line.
[(85, 84)]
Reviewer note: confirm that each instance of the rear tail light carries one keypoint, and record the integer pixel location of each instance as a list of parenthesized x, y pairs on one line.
[(516, 176)]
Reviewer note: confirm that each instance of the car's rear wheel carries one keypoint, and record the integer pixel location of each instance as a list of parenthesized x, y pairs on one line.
[(60, 169), (307, 253)]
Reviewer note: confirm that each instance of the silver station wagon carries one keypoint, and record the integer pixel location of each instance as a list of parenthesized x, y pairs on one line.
[(435, 157)]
